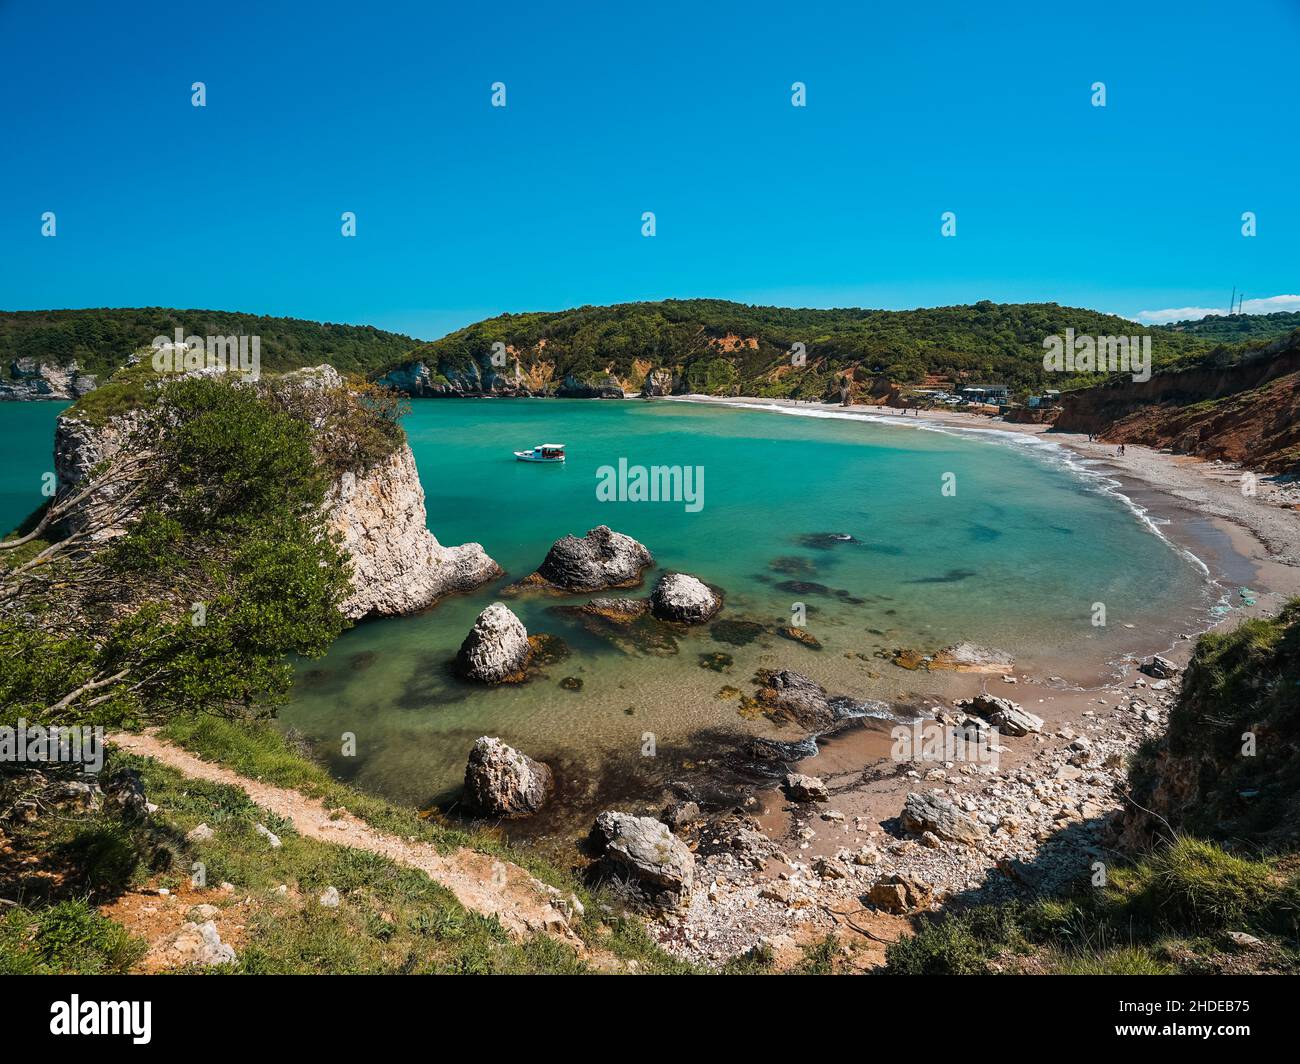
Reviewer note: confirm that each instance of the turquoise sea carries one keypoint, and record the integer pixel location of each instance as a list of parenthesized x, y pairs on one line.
[(1016, 558), (28, 433)]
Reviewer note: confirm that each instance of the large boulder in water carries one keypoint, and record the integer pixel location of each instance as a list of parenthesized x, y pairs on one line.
[(678, 597), (598, 561), (642, 849), (790, 695), (496, 649), (501, 781)]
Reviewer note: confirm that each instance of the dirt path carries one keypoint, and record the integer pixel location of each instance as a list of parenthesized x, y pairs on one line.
[(483, 883)]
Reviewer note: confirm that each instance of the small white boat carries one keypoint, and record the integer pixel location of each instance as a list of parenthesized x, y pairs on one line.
[(543, 452)]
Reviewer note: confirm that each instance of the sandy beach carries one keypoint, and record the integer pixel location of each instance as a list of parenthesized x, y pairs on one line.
[(1046, 805)]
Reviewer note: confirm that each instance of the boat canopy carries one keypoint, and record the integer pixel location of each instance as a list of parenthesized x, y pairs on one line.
[(552, 447)]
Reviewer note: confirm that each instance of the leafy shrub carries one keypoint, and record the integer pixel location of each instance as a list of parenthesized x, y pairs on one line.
[(946, 946)]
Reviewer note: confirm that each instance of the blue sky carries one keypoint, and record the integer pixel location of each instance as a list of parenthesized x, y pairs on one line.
[(465, 210)]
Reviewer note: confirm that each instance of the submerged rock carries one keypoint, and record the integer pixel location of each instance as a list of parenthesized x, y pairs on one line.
[(645, 851), (826, 540), (504, 782), (717, 661), (908, 658), (598, 561), (967, 657), (496, 649), (616, 609), (545, 649), (683, 598), (792, 565), (799, 635), (626, 623), (737, 631)]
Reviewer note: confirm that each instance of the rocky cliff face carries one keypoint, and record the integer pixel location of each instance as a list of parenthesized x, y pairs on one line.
[(417, 380), (1246, 411), (30, 379), (398, 565), (80, 446), (662, 382)]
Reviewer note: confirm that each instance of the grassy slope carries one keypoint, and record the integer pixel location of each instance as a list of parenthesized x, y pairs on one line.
[(391, 919)]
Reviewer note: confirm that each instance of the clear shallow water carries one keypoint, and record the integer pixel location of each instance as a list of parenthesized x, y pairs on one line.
[(1015, 559), (28, 433)]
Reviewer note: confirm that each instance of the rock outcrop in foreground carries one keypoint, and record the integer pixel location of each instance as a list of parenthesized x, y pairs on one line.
[(496, 649), (682, 598), (600, 560), (195, 945), (645, 853), (501, 781)]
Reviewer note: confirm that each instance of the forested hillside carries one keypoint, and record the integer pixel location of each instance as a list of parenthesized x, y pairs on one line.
[(100, 340), (1236, 328), (714, 346), (698, 345), (1236, 404)]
